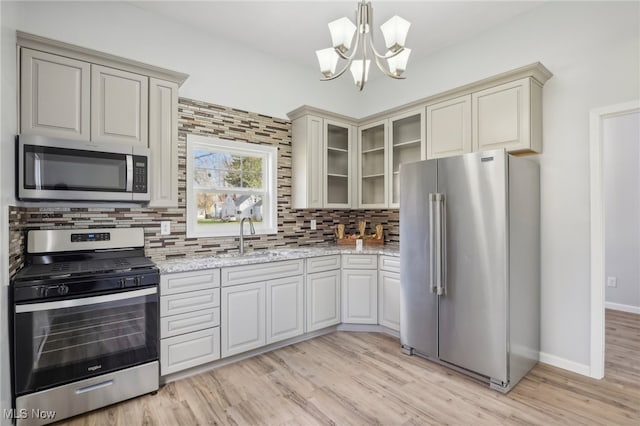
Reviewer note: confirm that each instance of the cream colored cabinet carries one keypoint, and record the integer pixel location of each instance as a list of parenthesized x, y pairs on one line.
[(449, 127), (323, 299), (508, 116), (163, 143), (406, 144), (119, 106), (242, 318), (359, 289), (189, 319), (54, 96), (389, 299), (322, 162), (373, 161), (285, 308)]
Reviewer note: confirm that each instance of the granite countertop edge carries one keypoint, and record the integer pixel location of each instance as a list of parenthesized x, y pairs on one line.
[(196, 263)]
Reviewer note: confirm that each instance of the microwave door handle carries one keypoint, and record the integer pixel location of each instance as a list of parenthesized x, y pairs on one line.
[(129, 173)]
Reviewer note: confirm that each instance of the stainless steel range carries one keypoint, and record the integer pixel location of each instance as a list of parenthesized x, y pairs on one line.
[(85, 322)]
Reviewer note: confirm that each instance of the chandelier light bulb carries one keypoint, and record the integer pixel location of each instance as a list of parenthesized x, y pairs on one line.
[(328, 59), (356, 71), (395, 32), (342, 31), (398, 63)]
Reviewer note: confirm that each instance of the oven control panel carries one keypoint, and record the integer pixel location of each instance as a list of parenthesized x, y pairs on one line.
[(90, 236)]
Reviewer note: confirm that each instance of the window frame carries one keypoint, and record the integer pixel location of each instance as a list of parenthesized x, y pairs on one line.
[(269, 154)]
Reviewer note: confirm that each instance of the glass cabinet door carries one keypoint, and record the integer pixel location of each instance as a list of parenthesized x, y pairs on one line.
[(337, 164), (407, 135), (373, 165)]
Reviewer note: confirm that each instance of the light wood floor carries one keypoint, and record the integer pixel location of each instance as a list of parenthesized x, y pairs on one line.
[(362, 378)]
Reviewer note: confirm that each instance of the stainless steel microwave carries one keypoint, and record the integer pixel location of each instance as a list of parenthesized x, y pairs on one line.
[(57, 169)]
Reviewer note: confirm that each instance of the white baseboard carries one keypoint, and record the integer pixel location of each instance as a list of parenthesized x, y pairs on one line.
[(565, 364), (368, 328), (624, 308)]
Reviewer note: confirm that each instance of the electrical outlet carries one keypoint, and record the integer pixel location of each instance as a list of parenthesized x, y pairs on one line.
[(612, 282), (313, 225), (165, 227)]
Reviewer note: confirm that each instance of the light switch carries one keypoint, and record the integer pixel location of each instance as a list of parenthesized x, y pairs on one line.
[(612, 282), (313, 225), (165, 227)]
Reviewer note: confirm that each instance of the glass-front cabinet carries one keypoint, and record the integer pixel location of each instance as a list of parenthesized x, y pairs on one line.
[(373, 165), (406, 144), (338, 159)]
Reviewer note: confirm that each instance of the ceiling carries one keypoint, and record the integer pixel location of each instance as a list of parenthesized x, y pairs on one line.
[(293, 30)]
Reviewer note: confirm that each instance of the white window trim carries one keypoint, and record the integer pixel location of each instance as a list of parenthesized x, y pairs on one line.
[(269, 223)]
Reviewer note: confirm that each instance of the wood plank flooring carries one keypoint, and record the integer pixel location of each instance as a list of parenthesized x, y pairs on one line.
[(363, 379)]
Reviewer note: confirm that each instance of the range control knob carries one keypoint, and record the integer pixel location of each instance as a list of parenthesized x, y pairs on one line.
[(63, 289), (138, 280)]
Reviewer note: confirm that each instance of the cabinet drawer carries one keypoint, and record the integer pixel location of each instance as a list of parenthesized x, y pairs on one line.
[(359, 261), (323, 263), (189, 302), (261, 272), (390, 263), (189, 350), (175, 325), (189, 281)]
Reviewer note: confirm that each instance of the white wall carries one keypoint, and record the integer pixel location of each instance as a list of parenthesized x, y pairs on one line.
[(621, 141)]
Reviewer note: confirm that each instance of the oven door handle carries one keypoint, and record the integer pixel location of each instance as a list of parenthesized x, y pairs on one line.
[(71, 303)]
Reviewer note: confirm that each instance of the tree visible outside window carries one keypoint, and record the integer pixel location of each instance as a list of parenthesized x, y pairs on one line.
[(229, 180)]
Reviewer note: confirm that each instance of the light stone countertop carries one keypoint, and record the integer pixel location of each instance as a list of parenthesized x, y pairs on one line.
[(195, 263)]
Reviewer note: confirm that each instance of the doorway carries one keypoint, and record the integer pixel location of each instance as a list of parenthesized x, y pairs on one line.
[(597, 150)]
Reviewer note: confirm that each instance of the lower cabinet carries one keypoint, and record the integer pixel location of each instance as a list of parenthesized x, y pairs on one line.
[(243, 318), (323, 299), (285, 308), (189, 319), (360, 296), (389, 299)]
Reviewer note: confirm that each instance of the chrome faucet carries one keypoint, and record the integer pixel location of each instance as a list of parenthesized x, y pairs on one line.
[(252, 229)]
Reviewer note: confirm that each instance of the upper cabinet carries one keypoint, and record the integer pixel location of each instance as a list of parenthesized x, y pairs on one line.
[(322, 151), (54, 95), (373, 165), (71, 92), (449, 127), (508, 116), (406, 144), (119, 106)]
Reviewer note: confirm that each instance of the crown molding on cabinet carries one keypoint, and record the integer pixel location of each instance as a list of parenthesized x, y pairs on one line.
[(44, 44), (536, 70)]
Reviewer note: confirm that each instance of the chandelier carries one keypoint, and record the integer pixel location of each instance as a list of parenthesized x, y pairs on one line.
[(342, 31)]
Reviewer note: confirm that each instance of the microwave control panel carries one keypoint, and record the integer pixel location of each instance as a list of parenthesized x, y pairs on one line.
[(140, 171)]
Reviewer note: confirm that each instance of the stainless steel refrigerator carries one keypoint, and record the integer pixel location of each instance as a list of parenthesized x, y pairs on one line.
[(470, 264)]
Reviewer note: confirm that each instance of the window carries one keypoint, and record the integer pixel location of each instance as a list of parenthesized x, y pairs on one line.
[(229, 180)]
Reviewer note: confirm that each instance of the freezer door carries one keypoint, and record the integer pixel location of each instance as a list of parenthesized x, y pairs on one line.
[(473, 309), (418, 304)]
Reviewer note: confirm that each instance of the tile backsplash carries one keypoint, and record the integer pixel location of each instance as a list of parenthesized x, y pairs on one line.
[(205, 119)]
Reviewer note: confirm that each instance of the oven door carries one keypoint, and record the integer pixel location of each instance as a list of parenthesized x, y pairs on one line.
[(66, 340)]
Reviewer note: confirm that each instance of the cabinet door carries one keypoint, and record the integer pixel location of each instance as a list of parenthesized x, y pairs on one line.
[(501, 117), (359, 296), (323, 299), (389, 299), (285, 306), (449, 127), (119, 106), (54, 96), (373, 165), (406, 143), (307, 152), (242, 318), (337, 163), (163, 143)]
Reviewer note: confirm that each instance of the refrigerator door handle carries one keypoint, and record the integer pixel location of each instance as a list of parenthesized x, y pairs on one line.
[(439, 201), (432, 254)]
